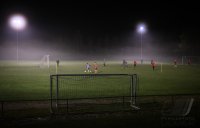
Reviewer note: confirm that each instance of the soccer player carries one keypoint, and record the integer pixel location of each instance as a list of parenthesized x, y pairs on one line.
[(135, 63), (95, 67), (57, 62), (189, 61), (104, 63), (87, 67), (124, 63), (57, 65), (175, 63), (153, 64)]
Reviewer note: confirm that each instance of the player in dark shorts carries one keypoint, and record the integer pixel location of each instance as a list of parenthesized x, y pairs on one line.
[(57, 62), (135, 63), (175, 63), (153, 64), (189, 61)]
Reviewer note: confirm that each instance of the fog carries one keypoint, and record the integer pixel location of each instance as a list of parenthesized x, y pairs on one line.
[(83, 44), (95, 32)]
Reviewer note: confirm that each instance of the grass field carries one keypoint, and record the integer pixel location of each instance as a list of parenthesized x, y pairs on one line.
[(26, 81)]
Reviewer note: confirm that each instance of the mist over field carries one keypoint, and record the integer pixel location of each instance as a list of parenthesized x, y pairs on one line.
[(95, 31), (33, 45)]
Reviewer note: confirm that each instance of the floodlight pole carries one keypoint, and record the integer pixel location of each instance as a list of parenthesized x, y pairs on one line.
[(141, 51), (17, 47), (141, 29)]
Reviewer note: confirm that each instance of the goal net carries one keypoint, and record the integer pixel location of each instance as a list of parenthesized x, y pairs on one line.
[(91, 89), (190, 60), (44, 62)]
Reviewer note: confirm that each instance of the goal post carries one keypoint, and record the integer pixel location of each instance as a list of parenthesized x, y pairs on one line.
[(91, 87), (44, 62)]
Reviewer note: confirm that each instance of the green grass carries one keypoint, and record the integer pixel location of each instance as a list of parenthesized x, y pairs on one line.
[(93, 86), (26, 81)]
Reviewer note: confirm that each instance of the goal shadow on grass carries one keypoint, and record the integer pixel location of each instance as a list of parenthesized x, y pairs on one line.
[(177, 113)]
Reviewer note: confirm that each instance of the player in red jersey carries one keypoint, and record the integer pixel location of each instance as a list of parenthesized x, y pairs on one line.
[(95, 67)]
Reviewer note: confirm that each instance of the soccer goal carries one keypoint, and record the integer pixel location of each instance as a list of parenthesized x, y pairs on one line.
[(44, 61), (68, 91), (190, 60)]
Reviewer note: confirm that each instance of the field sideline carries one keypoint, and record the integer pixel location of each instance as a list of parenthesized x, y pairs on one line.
[(26, 81)]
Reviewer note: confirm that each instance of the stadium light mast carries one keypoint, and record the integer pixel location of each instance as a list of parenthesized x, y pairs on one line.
[(17, 22), (141, 29)]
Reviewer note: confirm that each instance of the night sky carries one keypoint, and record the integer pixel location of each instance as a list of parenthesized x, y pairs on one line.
[(70, 30)]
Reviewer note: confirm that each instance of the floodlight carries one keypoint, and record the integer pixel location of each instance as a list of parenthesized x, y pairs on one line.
[(17, 22), (141, 28)]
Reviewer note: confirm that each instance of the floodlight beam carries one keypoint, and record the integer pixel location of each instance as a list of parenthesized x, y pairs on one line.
[(141, 29)]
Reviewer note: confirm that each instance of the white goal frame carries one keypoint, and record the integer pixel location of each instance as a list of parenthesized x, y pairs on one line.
[(44, 62)]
